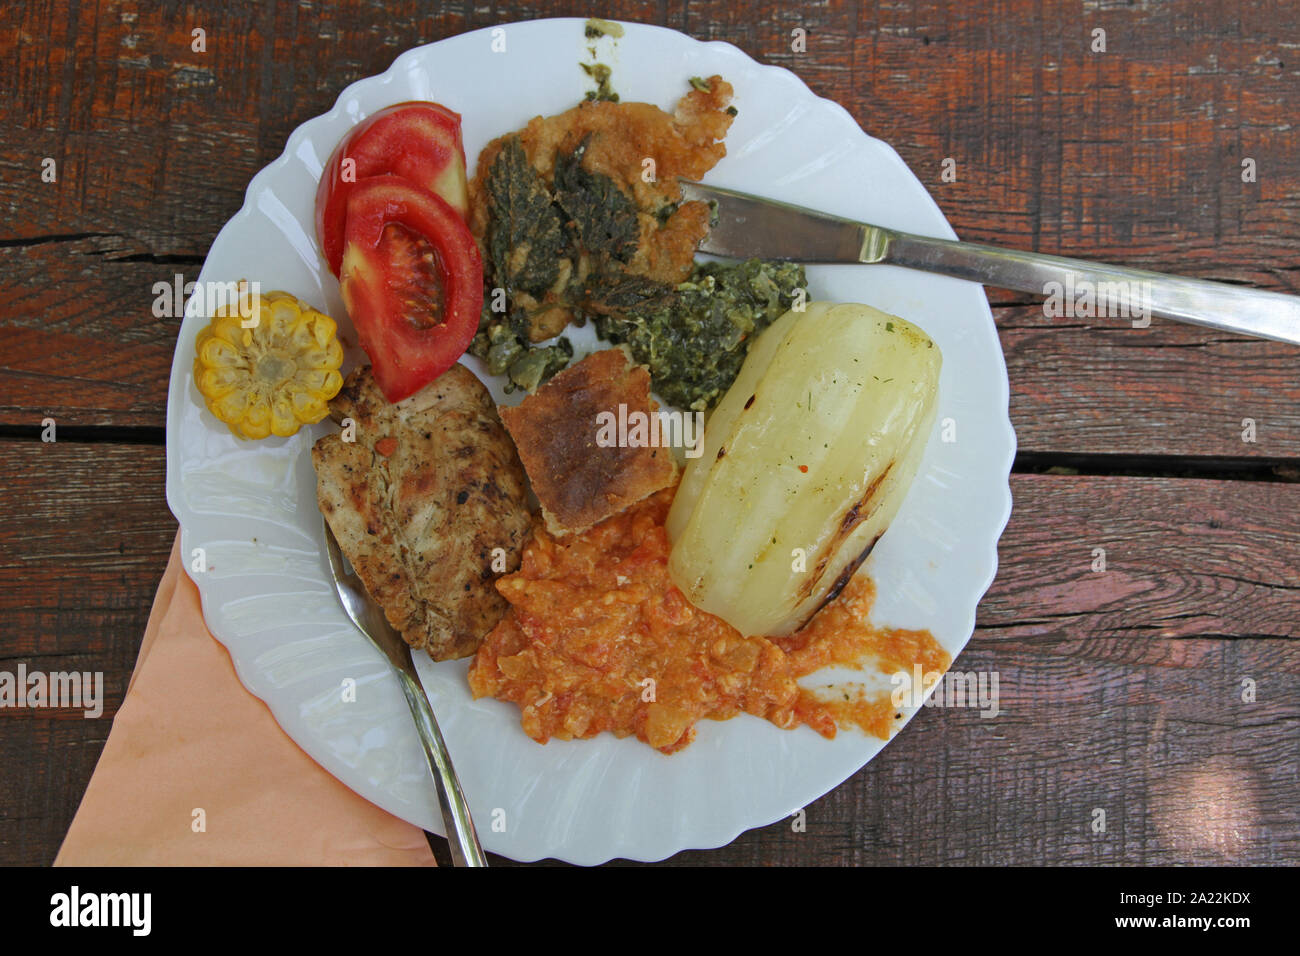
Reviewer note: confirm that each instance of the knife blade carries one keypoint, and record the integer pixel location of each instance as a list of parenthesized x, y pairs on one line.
[(746, 226)]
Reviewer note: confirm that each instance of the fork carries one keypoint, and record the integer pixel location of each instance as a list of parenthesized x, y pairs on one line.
[(369, 619)]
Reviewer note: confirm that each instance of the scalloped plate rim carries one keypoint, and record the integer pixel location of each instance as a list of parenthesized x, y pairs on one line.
[(254, 682)]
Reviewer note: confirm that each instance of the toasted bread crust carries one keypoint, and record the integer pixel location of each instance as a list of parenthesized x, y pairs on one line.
[(578, 481)]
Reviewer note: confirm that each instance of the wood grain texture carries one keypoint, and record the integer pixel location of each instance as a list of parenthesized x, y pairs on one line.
[(1183, 559), (1185, 771), (81, 349), (84, 539), (1101, 386), (1132, 155), (1119, 690)]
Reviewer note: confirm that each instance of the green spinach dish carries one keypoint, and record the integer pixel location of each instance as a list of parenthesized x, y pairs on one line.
[(573, 230)]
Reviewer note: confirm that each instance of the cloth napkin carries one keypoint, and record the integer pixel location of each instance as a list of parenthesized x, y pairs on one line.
[(189, 737)]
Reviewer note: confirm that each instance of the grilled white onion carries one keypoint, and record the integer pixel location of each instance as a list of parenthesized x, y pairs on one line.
[(806, 460)]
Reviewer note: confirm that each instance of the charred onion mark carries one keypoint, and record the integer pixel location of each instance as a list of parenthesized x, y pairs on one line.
[(855, 515), (721, 451), (750, 402), (845, 577)]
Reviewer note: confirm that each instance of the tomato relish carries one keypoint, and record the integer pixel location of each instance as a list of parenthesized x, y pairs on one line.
[(598, 638)]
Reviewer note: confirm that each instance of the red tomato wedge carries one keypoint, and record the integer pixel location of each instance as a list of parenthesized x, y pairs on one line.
[(417, 141), (412, 281)]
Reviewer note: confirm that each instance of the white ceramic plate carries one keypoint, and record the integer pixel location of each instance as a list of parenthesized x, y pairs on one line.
[(251, 506)]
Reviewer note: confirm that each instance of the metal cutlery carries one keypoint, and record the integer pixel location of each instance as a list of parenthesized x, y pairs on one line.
[(369, 619), (749, 226)]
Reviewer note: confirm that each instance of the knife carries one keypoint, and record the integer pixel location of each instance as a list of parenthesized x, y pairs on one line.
[(746, 226)]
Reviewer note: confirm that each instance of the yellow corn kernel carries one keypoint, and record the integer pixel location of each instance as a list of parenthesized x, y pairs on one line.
[(275, 377)]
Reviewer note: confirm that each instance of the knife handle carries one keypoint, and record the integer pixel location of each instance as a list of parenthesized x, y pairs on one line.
[(1116, 291)]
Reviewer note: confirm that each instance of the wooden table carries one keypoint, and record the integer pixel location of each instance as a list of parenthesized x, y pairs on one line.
[(1121, 690)]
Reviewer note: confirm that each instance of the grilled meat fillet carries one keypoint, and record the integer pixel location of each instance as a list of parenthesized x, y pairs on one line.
[(419, 502)]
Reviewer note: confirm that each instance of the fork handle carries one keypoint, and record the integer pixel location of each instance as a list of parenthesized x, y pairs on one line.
[(461, 836), (1135, 293)]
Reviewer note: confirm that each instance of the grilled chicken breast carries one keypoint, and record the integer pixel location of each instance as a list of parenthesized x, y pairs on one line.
[(420, 501)]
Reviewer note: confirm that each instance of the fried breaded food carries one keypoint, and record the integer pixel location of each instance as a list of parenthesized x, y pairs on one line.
[(579, 481), (420, 499), (643, 150)]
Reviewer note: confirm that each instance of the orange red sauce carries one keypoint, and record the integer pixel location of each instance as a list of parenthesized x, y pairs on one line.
[(598, 638)]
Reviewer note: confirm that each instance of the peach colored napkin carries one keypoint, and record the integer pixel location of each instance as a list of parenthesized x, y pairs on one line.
[(189, 736)]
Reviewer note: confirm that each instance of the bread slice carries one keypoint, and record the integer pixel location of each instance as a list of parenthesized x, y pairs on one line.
[(579, 480)]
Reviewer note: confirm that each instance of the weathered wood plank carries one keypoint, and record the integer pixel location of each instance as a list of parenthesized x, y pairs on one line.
[(84, 538), (1118, 687), (1121, 689), (80, 339), (1102, 386), (1132, 155), (1185, 770), (1183, 559)]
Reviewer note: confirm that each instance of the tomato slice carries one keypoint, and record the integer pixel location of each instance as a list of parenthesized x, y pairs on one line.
[(418, 141), (412, 280)]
